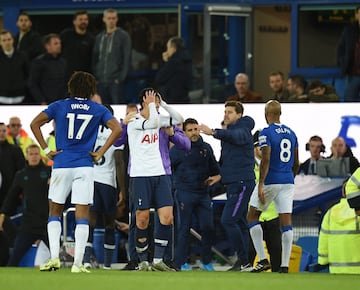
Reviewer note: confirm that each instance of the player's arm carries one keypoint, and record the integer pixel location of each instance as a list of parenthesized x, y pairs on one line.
[(296, 165), (180, 140), (263, 171), (36, 124), (115, 128), (174, 117)]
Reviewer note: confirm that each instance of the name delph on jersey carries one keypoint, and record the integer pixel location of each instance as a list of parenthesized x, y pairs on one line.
[(282, 130)]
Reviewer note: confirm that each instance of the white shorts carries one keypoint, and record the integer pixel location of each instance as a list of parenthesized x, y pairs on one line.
[(281, 194), (79, 181)]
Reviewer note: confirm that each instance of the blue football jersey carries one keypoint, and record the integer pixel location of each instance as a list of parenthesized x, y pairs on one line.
[(282, 141), (77, 122)]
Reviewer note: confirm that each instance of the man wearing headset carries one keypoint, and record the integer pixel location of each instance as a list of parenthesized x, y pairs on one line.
[(316, 148)]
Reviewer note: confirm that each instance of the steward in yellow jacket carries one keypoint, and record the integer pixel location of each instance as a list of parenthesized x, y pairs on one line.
[(353, 191), (339, 240)]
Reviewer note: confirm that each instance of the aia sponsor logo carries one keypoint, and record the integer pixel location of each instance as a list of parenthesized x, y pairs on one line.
[(150, 138)]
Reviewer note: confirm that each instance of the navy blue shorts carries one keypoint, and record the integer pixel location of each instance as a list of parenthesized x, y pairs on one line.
[(105, 199), (151, 191)]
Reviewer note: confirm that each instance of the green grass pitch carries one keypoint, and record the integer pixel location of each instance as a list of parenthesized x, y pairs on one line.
[(33, 279)]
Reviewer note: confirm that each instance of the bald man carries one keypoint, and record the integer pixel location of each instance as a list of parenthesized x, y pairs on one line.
[(279, 165), (243, 93)]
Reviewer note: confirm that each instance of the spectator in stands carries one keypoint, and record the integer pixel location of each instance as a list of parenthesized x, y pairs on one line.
[(194, 171), (340, 149), (348, 58), (316, 147), (174, 76), (320, 92), (14, 71), (237, 173), (33, 183), (111, 59), (296, 85), (77, 44), (12, 160), (47, 80), (17, 136), (27, 40), (278, 87), (339, 238), (243, 93)]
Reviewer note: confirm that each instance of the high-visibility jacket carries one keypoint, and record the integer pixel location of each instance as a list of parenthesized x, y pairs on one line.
[(352, 190), (339, 240)]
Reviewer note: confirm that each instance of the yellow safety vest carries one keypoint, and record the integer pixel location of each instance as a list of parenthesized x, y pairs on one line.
[(352, 189), (339, 240)]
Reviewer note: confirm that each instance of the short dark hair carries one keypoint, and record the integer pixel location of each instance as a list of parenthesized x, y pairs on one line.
[(298, 80), (22, 13), (315, 84), (239, 108), (81, 84), (316, 138), (142, 95), (47, 38), (5, 31), (178, 42), (277, 73), (189, 121), (80, 12)]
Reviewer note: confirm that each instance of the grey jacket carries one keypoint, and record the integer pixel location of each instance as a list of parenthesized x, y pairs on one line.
[(111, 56)]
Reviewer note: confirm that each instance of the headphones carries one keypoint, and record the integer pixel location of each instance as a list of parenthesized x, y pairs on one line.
[(315, 138)]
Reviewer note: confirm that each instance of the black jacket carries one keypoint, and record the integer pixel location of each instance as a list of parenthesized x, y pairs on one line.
[(30, 44), (346, 48), (11, 160), (77, 50), (32, 182), (14, 72), (191, 169), (174, 78), (47, 79)]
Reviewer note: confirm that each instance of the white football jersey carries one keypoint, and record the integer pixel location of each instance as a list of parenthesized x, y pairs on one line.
[(143, 136), (105, 169)]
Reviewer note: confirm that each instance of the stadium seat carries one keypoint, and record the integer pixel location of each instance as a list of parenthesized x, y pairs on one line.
[(295, 258), (310, 245), (306, 260)]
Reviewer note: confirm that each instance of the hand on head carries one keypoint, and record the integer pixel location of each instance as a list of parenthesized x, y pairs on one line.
[(149, 97)]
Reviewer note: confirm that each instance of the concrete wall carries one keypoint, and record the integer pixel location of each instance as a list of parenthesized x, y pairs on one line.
[(272, 49)]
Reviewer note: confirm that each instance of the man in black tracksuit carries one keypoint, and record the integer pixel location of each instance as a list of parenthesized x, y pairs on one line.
[(237, 173), (33, 182), (193, 172)]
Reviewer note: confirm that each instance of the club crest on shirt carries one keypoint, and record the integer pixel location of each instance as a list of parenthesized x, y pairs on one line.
[(150, 138)]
